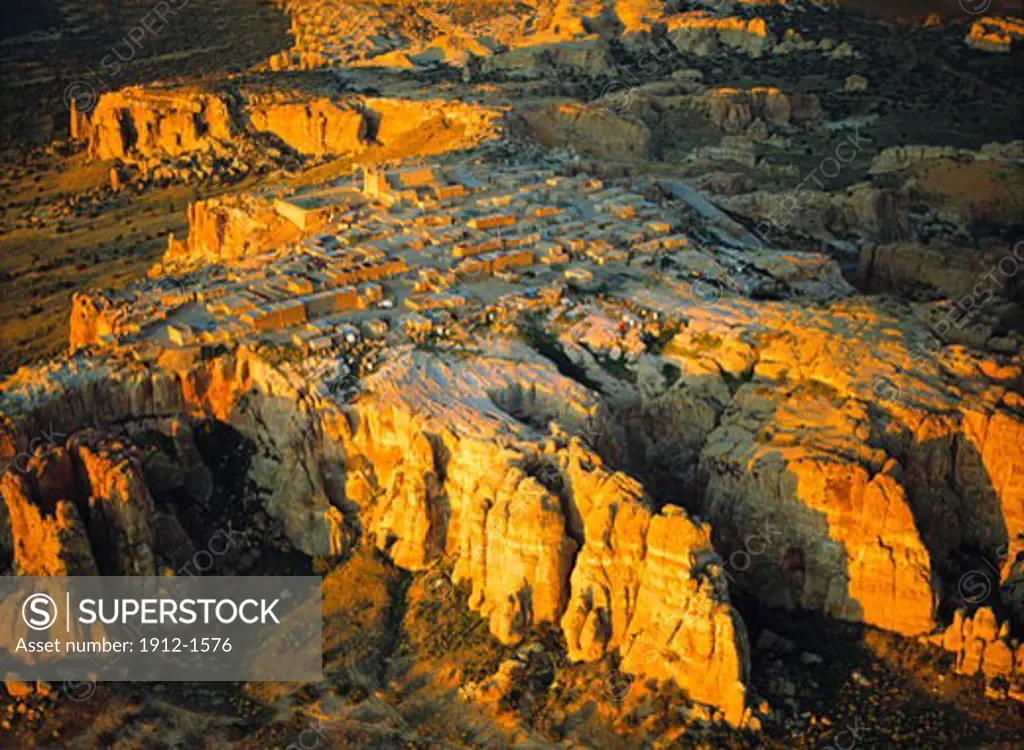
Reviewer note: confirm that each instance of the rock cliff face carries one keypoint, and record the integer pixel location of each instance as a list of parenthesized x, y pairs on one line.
[(442, 462), (848, 543), (541, 529), (900, 158), (878, 463), (429, 126), (274, 416), (858, 505), (137, 121), (877, 214), (49, 538), (700, 33), (316, 128), (117, 503), (840, 470), (734, 110), (81, 509), (650, 586), (941, 270), (970, 189)]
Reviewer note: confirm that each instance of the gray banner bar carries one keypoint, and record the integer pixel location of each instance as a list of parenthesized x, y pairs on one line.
[(175, 628)]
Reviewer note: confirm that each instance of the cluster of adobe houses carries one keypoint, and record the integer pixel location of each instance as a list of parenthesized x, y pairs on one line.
[(428, 239)]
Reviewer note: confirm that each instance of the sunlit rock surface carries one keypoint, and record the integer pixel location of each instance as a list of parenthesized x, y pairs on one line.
[(570, 340)]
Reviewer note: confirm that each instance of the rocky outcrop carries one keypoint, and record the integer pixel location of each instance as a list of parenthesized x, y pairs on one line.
[(138, 122), (188, 384), (735, 110), (344, 127), (586, 56), (457, 33), (443, 459), (49, 538), (898, 158), (543, 532), (700, 33), (648, 585), (110, 485), (222, 229), (862, 210), (991, 34), (430, 483), (943, 186), (143, 125), (983, 645), (313, 128), (594, 131), (94, 316), (638, 15), (843, 496), (92, 478), (700, 641), (879, 460), (329, 32), (968, 189), (848, 545), (429, 126), (940, 269)]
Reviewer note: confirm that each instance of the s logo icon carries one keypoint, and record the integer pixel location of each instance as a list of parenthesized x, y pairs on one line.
[(39, 611)]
